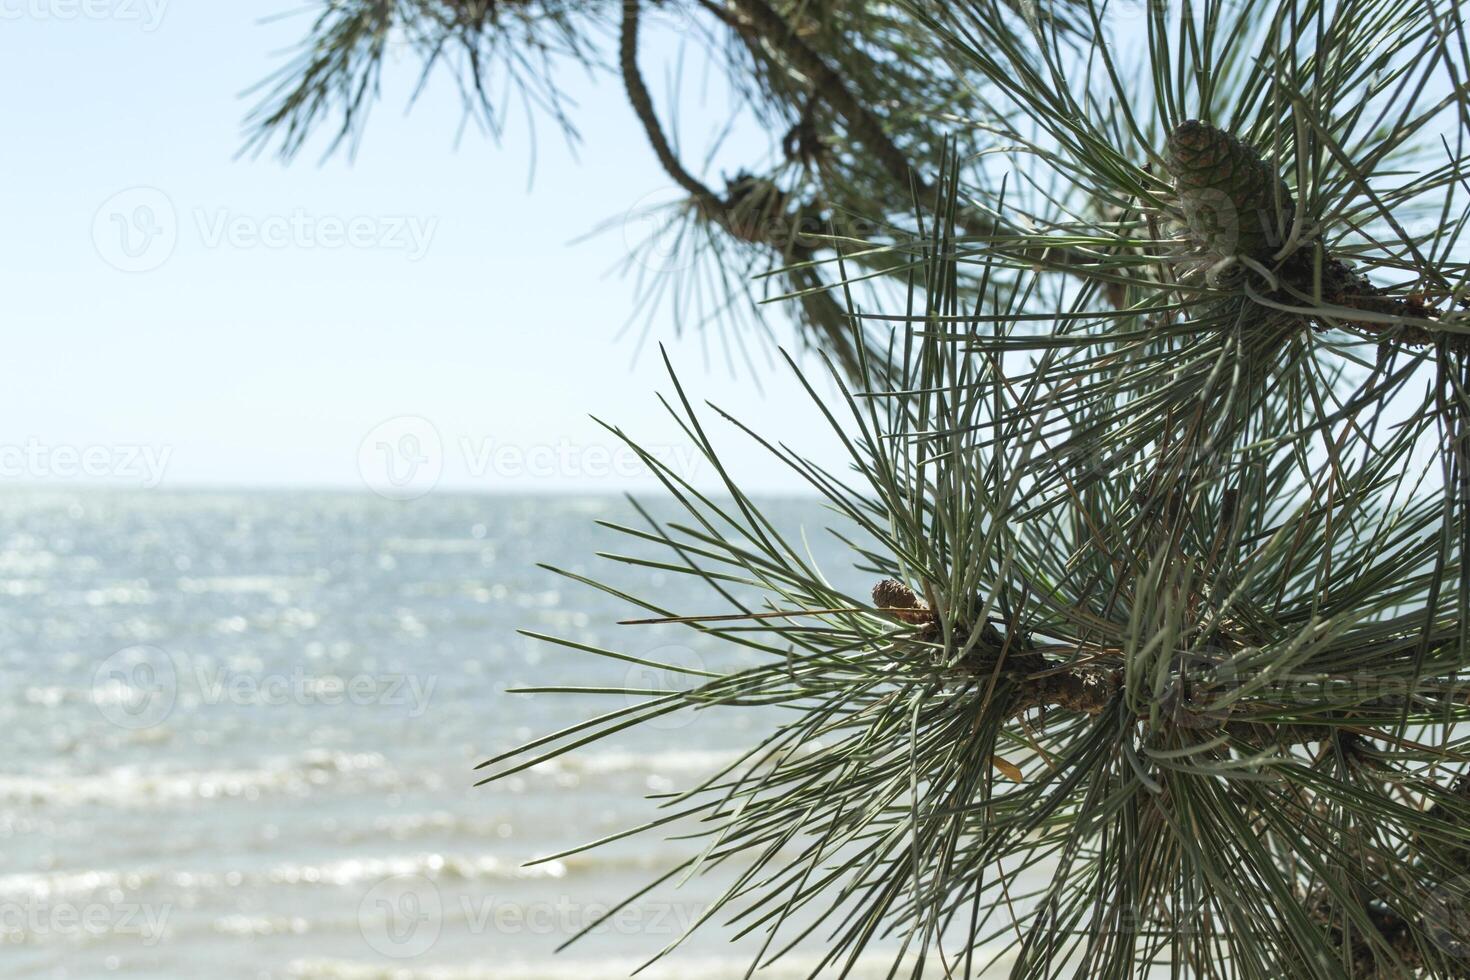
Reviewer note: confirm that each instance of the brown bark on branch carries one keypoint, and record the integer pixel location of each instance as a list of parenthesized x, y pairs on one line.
[(642, 104), (1087, 688), (866, 127)]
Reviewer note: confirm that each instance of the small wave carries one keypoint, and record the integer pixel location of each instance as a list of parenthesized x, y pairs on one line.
[(439, 823), (55, 884), (617, 761), (52, 695), (131, 786), (251, 925), (120, 594), (247, 584), (23, 586), (869, 967), (22, 563), (433, 866), (345, 872), (437, 546)]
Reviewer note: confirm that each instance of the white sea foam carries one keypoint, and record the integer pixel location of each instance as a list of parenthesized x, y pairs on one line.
[(132, 786), (438, 546), (20, 562), (120, 594), (312, 771), (52, 885), (261, 925), (58, 884), (274, 820), (245, 584), (428, 865), (676, 967), (615, 761)]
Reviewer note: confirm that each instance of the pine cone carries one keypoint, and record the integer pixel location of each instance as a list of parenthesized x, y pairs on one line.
[(1227, 191), (899, 601)]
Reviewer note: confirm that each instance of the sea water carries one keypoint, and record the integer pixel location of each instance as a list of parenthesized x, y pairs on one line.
[(242, 728)]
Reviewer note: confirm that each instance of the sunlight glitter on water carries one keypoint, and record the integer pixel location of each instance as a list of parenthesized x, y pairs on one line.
[(241, 722)]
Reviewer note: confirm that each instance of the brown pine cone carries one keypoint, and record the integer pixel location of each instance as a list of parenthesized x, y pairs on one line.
[(899, 601), (1227, 191)]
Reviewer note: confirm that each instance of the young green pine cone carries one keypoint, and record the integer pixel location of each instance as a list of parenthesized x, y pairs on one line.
[(1227, 192), (899, 601)]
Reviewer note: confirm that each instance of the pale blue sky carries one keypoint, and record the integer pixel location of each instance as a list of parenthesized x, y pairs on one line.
[(235, 362)]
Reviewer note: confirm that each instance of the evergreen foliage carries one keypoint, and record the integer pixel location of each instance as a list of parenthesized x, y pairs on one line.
[(1156, 427)]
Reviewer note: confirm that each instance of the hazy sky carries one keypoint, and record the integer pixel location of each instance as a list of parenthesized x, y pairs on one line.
[(174, 313)]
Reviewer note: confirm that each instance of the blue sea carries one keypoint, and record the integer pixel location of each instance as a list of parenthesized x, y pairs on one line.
[(243, 729)]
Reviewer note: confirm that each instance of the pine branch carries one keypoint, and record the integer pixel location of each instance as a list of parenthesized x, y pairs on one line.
[(760, 22), (768, 223), (642, 104), (1083, 685), (1189, 572)]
